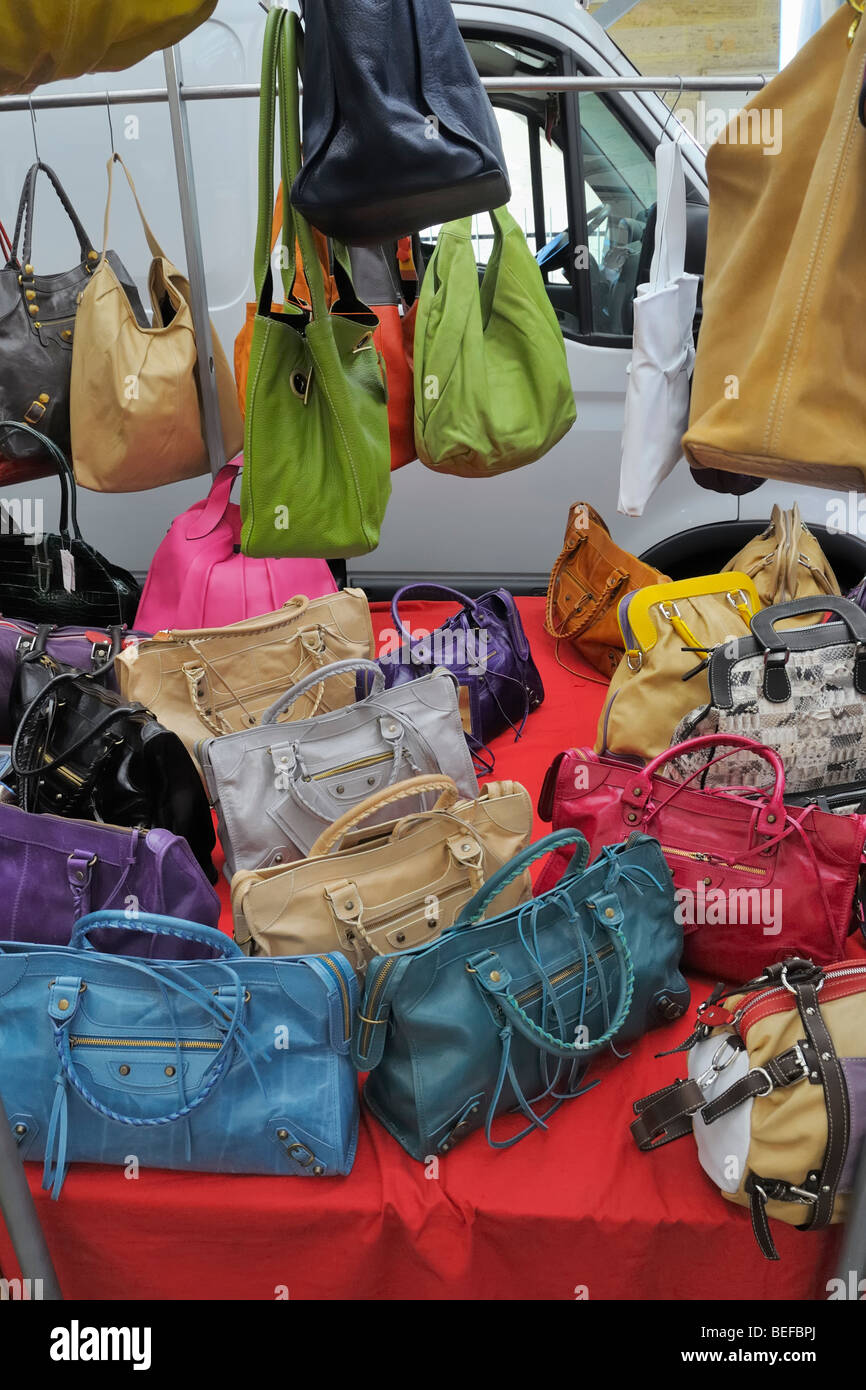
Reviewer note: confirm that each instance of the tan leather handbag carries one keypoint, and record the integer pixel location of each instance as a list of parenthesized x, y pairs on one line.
[(220, 680), (668, 632), (786, 562), (135, 407), (588, 580), (391, 886)]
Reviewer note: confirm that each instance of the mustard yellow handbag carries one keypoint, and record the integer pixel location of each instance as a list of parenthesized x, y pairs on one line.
[(786, 562), (668, 632)]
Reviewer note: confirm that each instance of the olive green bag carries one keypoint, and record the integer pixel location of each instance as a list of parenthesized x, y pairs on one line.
[(317, 451), (492, 390)]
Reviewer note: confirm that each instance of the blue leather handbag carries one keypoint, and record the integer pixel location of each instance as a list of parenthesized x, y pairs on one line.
[(229, 1066), (506, 1014)]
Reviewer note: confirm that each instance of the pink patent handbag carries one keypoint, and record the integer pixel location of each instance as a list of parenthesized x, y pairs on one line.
[(198, 577)]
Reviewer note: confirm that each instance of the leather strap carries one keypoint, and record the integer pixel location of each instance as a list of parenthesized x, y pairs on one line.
[(666, 1115), (153, 245), (835, 1096), (27, 212), (785, 1070)]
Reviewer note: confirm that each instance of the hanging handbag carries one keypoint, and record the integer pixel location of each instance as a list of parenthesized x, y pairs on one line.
[(389, 887), (278, 787), (38, 321), (778, 387), (81, 750), (786, 1150), (135, 395), (399, 133), (590, 576), (104, 1052), (200, 682), (492, 389), (507, 1014), (383, 276), (801, 692), (786, 563), (317, 472), (756, 880), (485, 648), (669, 631), (60, 578), (54, 871), (198, 578)]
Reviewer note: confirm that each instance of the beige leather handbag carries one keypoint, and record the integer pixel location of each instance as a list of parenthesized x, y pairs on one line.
[(391, 886), (220, 680), (786, 562)]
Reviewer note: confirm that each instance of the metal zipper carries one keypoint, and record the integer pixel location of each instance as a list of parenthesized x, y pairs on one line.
[(712, 859), (352, 767), (394, 915), (780, 991), (344, 991), (534, 991), (381, 981), (187, 1044), (64, 772)]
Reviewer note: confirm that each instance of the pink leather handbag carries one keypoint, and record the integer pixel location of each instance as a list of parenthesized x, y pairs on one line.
[(755, 880), (199, 578)]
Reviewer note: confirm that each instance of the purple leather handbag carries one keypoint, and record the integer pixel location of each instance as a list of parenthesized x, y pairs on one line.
[(54, 871), (485, 648)]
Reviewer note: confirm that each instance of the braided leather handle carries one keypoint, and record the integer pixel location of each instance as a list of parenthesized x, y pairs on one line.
[(331, 838)]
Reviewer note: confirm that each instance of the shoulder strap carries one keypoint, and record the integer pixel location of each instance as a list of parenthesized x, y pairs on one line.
[(155, 249)]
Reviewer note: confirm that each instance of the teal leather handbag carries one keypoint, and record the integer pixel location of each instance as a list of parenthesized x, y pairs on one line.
[(506, 1014)]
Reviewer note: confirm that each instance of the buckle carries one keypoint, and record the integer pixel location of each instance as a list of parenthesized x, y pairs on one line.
[(669, 610), (761, 1071), (25, 644), (805, 1071)]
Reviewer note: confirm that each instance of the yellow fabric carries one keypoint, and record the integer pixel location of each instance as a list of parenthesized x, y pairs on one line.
[(778, 385)]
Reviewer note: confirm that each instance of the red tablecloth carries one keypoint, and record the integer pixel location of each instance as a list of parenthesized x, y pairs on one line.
[(576, 1212)]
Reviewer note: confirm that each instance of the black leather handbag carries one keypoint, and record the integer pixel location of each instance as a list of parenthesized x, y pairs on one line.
[(37, 328), (60, 579), (399, 133), (80, 750)]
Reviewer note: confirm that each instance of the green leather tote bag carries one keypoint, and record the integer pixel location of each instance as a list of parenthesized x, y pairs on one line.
[(492, 390), (317, 472)]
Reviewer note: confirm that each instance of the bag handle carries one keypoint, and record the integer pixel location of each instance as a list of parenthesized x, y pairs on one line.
[(68, 486), (27, 211), (639, 789), (154, 924), (331, 838), (764, 623), (429, 591), (669, 253), (213, 512), (336, 668), (153, 245), (476, 907)]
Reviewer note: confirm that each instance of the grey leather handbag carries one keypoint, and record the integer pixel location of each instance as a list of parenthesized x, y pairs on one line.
[(277, 787)]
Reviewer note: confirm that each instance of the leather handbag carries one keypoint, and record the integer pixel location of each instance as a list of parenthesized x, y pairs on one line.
[(787, 1151), (485, 648), (492, 387), (104, 1052), (756, 880), (506, 1014), (384, 276), (84, 751), (590, 576), (778, 388), (198, 577), (399, 133), (801, 692), (54, 871), (209, 681), (377, 889), (38, 321), (60, 578), (668, 632), (135, 397), (277, 787), (317, 474), (786, 563)]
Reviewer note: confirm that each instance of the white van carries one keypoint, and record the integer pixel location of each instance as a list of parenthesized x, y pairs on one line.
[(583, 175)]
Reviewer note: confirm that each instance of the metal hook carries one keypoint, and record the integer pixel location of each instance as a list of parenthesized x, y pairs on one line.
[(35, 136), (110, 123), (674, 107)]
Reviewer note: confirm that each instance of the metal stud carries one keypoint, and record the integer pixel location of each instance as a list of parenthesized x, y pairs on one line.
[(63, 1005), (371, 781), (20, 1129), (282, 1134), (810, 1009), (401, 936), (340, 789), (28, 270), (771, 820), (171, 1071), (45, 398), (318, 1170), (33, 309), (350, 906), (631, 817), (29, 294), (609, 912), (124, 1070), (495, 976), (825, 1056)]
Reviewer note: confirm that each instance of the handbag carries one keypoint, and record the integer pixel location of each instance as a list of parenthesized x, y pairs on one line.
[(389, 887), (317, 474), (778, 390), (506, 1014), (135, 397), (198, 578), (492, 389), (38, 322), (663, 350), (589, 577), (383, 276), (801, 692), (756, 881), (60, 578), (669, 631), (84, 751), (217, 680), (786, 563), (277, 787), (399, 133), (54, 871), (787, 1151), (182, 1062), (485, 648)]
